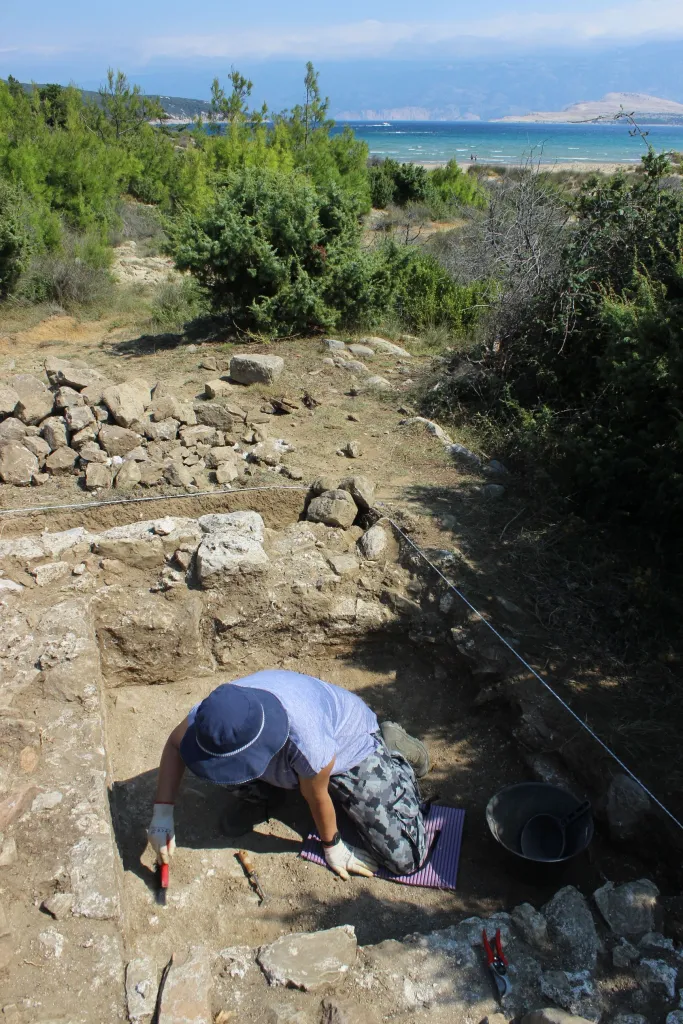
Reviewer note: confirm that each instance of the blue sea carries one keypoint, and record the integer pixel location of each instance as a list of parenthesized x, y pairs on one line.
[(511, 143)]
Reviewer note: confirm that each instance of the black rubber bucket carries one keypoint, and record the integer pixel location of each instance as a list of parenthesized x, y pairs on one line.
[(508, 812)]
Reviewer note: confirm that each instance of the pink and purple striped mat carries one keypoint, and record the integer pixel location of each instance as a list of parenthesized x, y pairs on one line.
[(440, 870)]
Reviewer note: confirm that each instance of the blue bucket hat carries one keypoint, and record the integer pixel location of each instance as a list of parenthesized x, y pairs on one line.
[(235, 734)]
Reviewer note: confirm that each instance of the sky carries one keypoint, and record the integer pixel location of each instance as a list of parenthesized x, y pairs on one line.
[(170, 45)]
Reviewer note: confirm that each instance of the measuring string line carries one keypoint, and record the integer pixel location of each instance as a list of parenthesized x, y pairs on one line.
[(533, 671), (423, 556)]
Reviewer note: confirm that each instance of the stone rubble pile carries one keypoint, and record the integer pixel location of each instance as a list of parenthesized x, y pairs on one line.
[(351, 358), (134, 434), (563, 969)]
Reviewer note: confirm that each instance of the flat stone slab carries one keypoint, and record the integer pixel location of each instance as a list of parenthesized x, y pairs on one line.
[(186, 995), (256, 369), (309, 960)]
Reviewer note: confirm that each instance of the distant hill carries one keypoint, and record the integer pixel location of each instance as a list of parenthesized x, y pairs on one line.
[(179, 108), (649, 108)]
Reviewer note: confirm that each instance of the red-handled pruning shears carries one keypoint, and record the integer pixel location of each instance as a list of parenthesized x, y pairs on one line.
[(498, 964)]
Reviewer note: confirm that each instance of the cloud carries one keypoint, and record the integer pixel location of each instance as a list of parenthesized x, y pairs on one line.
[(631, 22)]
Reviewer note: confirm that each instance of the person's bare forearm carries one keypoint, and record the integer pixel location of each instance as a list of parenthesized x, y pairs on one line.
[(171, 770), (324, 815)]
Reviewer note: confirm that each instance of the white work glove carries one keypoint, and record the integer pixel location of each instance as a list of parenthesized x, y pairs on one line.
[(349, 860), (161, 832)]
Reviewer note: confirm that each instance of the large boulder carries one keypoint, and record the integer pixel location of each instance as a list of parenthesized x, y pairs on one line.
[(231, 547), (256, 369), (118, 440), (333, 508), (54, 431), (629, 909), (62, 460), (572, 929), (213, 414), (12, 429), (309, 960), (374, 544), (126, 402), (17, 464), (8, 400), (97, 476), (78, 417), (361, 490), (36, 401)]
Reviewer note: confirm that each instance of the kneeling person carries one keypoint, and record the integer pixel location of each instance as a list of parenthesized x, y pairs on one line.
[(286, 730)]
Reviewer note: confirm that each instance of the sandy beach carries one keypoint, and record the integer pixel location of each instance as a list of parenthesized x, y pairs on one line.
[(574, 168)]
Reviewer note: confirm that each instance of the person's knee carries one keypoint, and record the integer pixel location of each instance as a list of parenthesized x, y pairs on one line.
[(403, 858)]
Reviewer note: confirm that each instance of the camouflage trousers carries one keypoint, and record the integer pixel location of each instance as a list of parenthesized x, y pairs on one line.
[(382, 798)]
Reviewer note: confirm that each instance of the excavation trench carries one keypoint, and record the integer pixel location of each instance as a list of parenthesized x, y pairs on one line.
[(136, 621)]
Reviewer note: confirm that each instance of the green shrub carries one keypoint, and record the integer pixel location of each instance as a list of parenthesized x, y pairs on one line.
[(17, 240), (272, 249), (425, 295), (588, 378)]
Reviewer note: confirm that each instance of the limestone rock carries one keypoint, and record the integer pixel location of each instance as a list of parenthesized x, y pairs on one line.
[(492, 492), (125, 402), (118, 440), (96, 476), (322, 484), (361, 490), (15, 803), (232, 546), (333, 345), (38, 446), (267, 453), (186, 995), (224, 453), (67, 397), (58, 906), (8, 400), (226, 472), (256, 369), (629, 909), (351, 450), (142, 551), (333, 508), (54, 431), (353, 365), (201, 434), (84, 436), (374, 544), (75, 377), (151, 474), (342, 1011), (62, 460), (574, 991), (161, 430), (164, 408), (149, 638), (655, 940), (129, 475), (217, 388), (657, 978), (675, 1017), (49, 572), (309, 960), (94, 878), (343, 564), (8, 853), (531, 925), (572, 929), (12, 429), (213, 414), (362, 351), (177, 475), (627, 807), (78, 416), (17, 464), (141, 988), (378, 383), (36, 401), (388, 347)]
